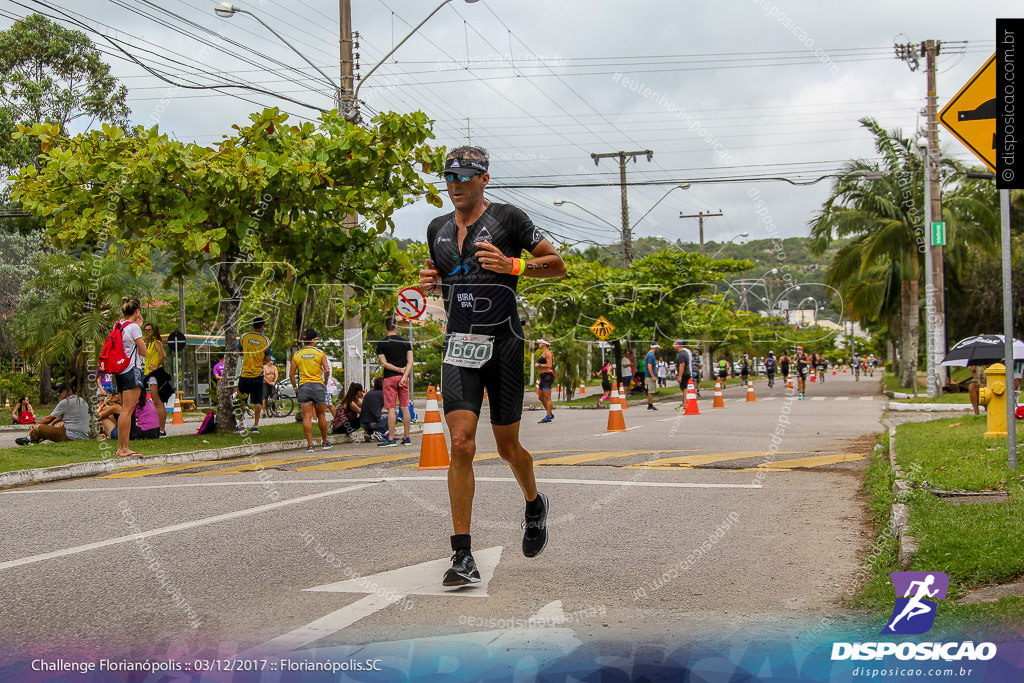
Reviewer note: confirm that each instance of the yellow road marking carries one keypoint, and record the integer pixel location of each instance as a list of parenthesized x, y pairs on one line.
[(814, 461), (250, 466), (163, 469), (687, 461), (478, 458), (352, 464), (580, 458)]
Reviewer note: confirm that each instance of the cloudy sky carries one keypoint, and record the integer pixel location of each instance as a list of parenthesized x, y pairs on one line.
[(721, 92)]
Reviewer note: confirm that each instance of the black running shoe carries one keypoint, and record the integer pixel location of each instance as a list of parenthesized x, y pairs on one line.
[(546, 419), (535, 537), (463, 570)]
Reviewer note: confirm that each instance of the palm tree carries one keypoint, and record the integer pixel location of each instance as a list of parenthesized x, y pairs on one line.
[(70, 307), (878, 205)]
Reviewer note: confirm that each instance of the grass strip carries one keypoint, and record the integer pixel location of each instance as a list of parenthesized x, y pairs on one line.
[(952, 453), (48, 454)]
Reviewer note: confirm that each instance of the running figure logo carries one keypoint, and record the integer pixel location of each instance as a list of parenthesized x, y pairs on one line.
[(914, 612)]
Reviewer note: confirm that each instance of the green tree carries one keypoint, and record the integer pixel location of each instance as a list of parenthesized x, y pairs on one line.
[(878, 206), (271, 192), (69, 308), (52, 74)]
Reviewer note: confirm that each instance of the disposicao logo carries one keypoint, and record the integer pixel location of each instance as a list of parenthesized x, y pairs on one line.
[(914, 612), (917, 597)]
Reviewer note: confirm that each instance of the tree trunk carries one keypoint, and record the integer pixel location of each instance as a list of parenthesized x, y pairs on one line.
[(45, 384), (232, 305), (909, 331)]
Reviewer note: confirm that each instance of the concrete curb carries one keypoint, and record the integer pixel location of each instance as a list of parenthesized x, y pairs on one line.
[(928, 407), (899, 516), (77, 470)]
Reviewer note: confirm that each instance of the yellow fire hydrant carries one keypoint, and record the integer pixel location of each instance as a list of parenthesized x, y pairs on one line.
[(993, 397)]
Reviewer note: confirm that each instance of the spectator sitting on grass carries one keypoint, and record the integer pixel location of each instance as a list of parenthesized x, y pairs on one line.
[(145, 423), (69, 420), (23, 413)]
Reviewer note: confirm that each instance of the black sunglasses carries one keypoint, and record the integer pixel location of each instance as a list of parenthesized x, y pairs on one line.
[(452, 177)]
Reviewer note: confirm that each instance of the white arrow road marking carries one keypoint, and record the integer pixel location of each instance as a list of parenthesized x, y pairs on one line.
[(534, 647), (384, 589), (176, 527)]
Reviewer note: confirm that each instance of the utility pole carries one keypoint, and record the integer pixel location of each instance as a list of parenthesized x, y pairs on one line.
[(627, 239), (700, 216), (353, 326), (935, 298)]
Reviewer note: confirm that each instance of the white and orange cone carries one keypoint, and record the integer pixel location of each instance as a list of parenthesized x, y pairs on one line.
[(433, 448), (750, 392), (616, 421), (176, 416), (719, 401), (583, 388), (789, 383), (691, 401), (622, 397), (812, 377)]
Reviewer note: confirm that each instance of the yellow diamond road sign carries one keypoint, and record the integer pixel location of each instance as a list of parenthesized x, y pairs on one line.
[(971, 115), (602, 328)]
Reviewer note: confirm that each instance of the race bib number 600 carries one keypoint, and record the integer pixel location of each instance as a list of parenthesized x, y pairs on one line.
[(469, 350)]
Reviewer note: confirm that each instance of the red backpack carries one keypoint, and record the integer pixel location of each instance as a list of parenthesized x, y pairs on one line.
[(112, 358)]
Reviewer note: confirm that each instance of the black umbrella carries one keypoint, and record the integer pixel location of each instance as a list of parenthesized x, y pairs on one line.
[(983, 349)]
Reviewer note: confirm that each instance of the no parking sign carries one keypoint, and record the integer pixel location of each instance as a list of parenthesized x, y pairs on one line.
[(412, 302)]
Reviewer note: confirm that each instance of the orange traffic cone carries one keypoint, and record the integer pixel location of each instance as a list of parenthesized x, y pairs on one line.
[(719, 401), (433, 449), (750, 392), (691, 401), (833, 372), (616, 421), (7, 402), (583, 388), (812, 377), (622, 398), (789, 383), (176, 417)]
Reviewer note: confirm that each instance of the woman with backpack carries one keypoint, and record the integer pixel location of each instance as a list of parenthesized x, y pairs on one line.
[(23, 413), (128, 381)]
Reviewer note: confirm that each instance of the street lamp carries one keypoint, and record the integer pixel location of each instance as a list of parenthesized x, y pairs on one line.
[(734, 238), (684, 186), (226, 10), (350, 105)]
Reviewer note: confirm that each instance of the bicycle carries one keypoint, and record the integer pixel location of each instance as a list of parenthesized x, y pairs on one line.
[(278, 405)]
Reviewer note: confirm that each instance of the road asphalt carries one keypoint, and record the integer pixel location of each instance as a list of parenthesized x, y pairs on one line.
[(707, 531)]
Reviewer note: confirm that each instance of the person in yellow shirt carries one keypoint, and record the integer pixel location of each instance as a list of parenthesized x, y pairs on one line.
[(309, 364), (155, 377), (255, 348)]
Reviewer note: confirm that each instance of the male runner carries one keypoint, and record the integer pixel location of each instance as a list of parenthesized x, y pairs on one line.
[(651, 364), (546, 373), (803, 362), (769, 369), (475, 259), (255, 348)]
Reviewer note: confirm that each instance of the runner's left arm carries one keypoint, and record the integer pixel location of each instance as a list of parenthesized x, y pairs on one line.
[(545, 262)]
